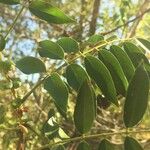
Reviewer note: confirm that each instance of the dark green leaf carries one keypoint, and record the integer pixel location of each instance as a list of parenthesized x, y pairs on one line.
[(137, 97), (132, 144), (124, 61), (2, 43), (130, 47), (100, 74), (84, 113), (106, 145), (83, 146), (68, 44), (115, 69), (95, 39), (49, 13), (10, 2), (145, 42), (30, 65), (76, 75), (50, 49), (58, 90), (135, 54)]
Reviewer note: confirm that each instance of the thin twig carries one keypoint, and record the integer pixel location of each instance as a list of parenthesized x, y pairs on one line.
[(92, 137), (14, 22), (125, 24), (95, 13)]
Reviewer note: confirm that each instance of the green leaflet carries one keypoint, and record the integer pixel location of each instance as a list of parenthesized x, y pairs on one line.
[(106, 145), (135, 54), (94, 39), (84, 113), (132, 144), (83, 146), (145, 42), (137, 97), (50, 49), (58, 90), (130, 47), (115, 69), (69, 45), (10, 2), (2, 43), (100, 74), (49, 13), (75, 75), (124, 61), (30, 65)]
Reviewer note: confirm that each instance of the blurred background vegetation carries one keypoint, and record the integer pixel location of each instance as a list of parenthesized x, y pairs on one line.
[(123, 18)]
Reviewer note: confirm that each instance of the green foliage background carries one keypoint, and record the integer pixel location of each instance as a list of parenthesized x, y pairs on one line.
[(34, 115)]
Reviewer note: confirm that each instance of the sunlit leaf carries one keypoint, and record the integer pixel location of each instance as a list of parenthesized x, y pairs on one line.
[(49, 13)]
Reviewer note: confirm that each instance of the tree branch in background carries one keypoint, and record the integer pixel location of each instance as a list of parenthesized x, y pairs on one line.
[(133, 28), (128, 22), (83, 4), (96, 7)]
